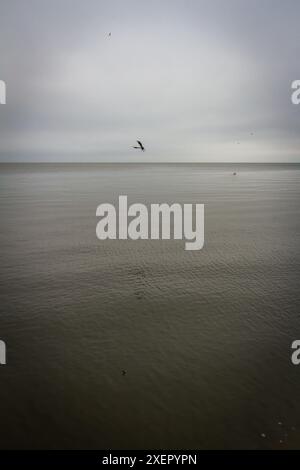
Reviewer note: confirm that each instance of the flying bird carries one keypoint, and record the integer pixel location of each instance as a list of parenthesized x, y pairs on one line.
[(141, 147), (109, 34)]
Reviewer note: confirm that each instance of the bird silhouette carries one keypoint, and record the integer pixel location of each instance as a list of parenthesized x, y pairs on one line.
[(140, 147)]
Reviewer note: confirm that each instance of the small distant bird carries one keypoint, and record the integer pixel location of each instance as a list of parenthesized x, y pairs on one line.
[(109, 34), (123, 372), (234, 174), (140, 147)]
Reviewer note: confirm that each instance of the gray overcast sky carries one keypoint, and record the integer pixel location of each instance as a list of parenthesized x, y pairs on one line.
[(190, 78)]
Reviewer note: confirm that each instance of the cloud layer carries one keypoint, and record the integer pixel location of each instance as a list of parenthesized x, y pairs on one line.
[(195, 80)]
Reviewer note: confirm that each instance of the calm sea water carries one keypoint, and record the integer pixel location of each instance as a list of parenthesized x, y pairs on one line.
[(204, 336)]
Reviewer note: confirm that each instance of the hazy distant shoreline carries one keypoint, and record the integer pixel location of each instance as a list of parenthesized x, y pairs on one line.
[(173, 164)]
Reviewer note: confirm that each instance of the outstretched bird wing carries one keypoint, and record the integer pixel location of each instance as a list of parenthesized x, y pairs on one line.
[(140, 144)]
